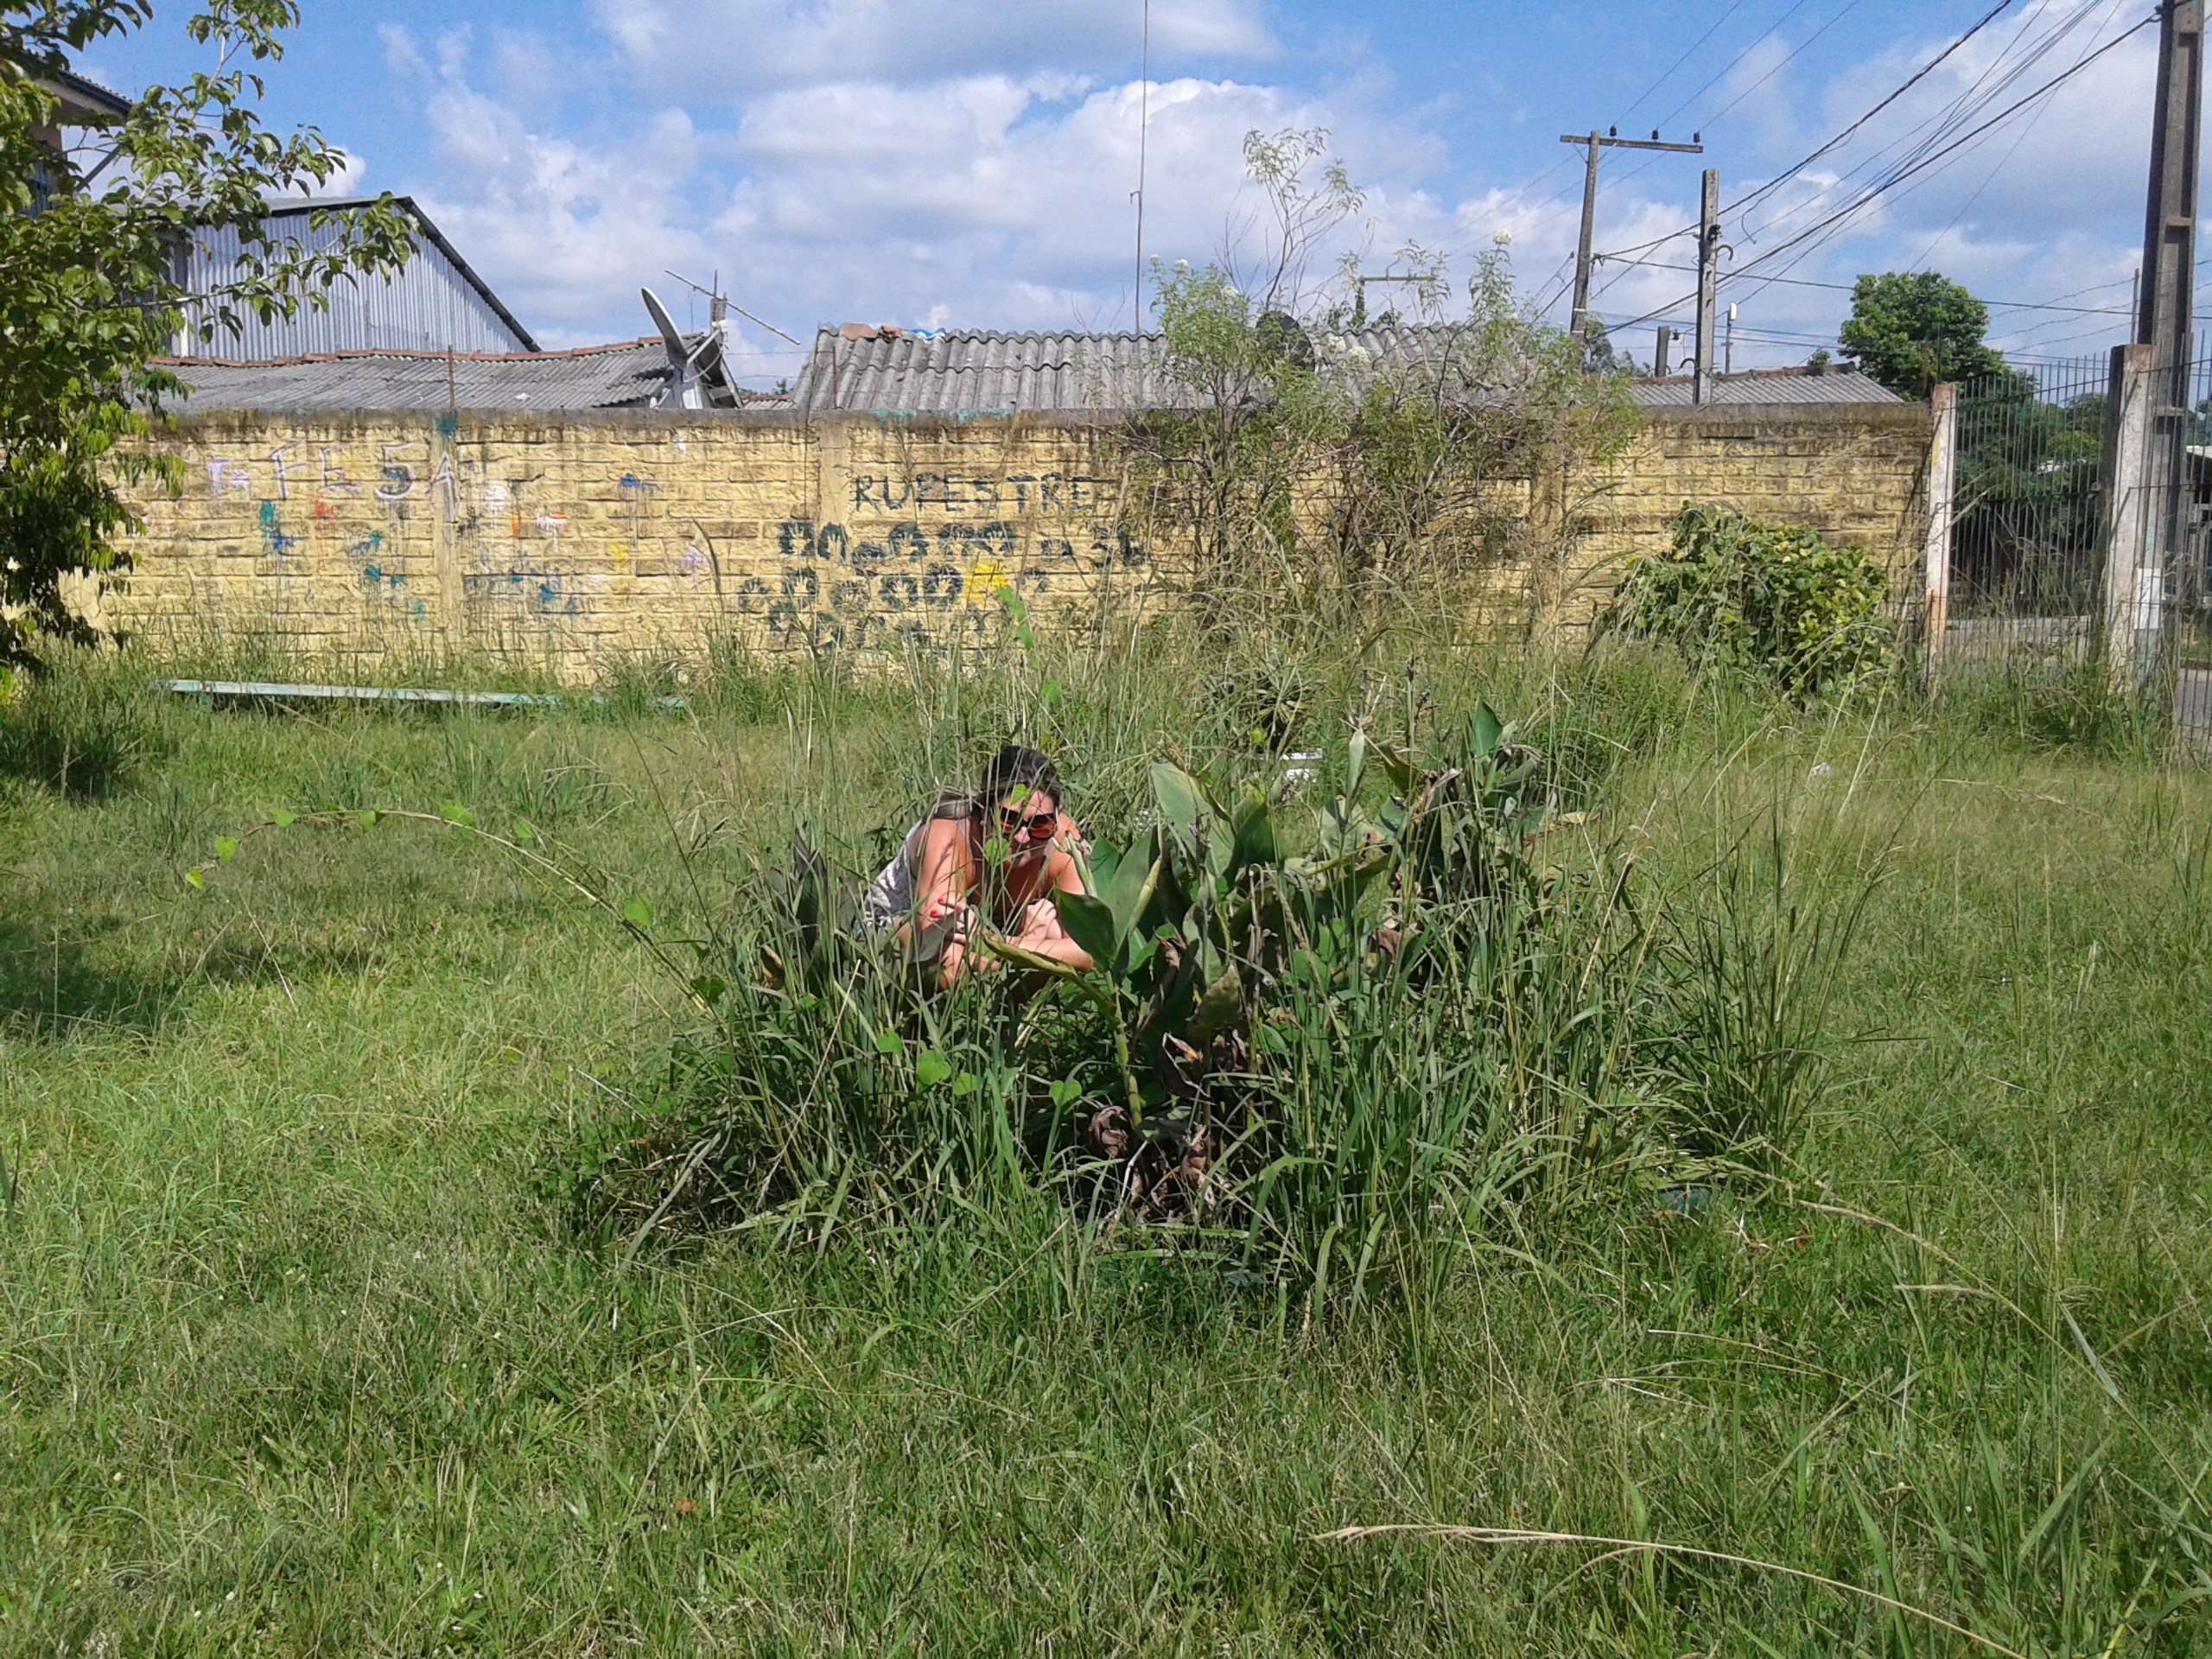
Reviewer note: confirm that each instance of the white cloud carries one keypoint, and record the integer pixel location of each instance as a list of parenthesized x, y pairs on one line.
[(962, 162), (563, 229), (723, 48)]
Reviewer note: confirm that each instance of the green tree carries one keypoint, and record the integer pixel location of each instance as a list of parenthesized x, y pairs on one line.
[(1914, 330), (89, 234)]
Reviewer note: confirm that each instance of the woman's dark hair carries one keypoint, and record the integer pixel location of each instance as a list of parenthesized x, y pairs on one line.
[(1015, 767)]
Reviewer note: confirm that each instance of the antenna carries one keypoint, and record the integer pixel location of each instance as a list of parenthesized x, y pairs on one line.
[(717, 298), (1144, 126)]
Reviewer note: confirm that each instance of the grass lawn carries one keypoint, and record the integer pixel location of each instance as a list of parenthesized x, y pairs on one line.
[(300, 1353)]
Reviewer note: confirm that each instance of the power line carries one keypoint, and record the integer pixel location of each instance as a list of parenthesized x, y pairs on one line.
[(1847, 288), (1911, 81), (1899, 174)]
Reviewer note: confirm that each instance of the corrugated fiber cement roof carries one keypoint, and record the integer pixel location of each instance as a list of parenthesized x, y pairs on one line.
[(601, 376), (869, 371), (866, 372)]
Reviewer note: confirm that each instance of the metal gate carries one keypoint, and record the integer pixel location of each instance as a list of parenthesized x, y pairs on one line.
[(2080, 529), (2029, 500)]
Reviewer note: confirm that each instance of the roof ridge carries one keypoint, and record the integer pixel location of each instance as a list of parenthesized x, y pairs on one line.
[(410, 352)]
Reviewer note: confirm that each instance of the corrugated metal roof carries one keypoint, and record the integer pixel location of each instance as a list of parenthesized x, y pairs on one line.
[(434, 301), (868, 371), (1834, 386), (952, 374), (600, 377)]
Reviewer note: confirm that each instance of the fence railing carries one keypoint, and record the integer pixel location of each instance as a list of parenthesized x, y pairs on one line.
[(2079, 524)]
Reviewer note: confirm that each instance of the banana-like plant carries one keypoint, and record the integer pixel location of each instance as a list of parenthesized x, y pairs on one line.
[(1202, 919)]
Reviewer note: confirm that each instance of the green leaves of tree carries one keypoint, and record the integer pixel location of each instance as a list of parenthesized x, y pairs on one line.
[(1915, 330), (1773, 600), (88, 276)]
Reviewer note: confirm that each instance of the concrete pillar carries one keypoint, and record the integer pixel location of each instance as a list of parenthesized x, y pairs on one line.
[(1942, 480), (2130, 555)]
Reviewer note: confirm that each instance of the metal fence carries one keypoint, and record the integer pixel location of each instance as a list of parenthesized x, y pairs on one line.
[(2028, 499), (2080, 525)]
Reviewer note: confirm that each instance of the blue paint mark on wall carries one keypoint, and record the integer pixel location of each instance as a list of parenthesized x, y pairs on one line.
[(273, 539)]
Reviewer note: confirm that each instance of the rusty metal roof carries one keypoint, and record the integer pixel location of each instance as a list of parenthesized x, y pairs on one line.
[(598, 377), (859, 370)]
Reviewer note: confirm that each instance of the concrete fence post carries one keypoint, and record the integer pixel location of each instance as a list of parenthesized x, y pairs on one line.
[(1942, 481), (2130, 512)]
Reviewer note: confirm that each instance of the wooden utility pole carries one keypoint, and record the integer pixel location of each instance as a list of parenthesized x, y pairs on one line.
[(1709, 279), (2164, 320), (1661, 351), (1611, 140)]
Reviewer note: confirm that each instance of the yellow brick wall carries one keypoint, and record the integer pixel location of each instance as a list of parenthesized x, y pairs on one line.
[(556, 540), (1858, 475)]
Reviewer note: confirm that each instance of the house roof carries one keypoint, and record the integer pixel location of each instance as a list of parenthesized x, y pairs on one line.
[(853, 371), (81, 96), (860, 369), (626, 375), (431, 233), (1803, 385)]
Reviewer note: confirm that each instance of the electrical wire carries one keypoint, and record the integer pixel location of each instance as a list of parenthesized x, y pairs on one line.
[(1911, 81)]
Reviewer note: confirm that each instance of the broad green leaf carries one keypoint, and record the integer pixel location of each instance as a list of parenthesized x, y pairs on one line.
[(1066, 1092), (931, 1068), (888, 1042), (455, 813), (1090, 923), (1048, 693), (1134, 882), (194, 879), (1096, 866), (282, 819), (1221, 1007), (964, 1084), (709, 990), (1485, 731), (1183, 803), (524, 835), (224, 846), (369, 819), (1256, 841), (637, 913)]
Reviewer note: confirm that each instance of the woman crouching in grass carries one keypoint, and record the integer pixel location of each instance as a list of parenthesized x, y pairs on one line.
[(943, 889)]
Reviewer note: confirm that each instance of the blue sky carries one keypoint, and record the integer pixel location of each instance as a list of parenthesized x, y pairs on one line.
[(970, 162)]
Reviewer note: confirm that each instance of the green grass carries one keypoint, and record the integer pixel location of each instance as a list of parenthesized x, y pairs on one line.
[(299, 1354)]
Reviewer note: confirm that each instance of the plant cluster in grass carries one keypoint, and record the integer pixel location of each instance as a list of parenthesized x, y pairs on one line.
[(1774, 602), (1331, 1071)]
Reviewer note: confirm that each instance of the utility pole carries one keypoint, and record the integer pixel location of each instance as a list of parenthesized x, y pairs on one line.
[(1661, 351), (1593, 143), (1708, 275), (2164, 317)]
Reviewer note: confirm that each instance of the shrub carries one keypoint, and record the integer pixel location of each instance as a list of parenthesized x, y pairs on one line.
[(1771, 601), (1334, 1064)]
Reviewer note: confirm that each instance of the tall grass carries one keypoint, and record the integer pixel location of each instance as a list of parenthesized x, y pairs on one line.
[(295, 1357)]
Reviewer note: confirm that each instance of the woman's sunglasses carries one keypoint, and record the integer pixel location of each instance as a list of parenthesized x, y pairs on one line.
[(1039, 826)]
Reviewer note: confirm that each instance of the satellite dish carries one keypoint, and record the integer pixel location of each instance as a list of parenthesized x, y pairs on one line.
[(683, 391), (662, 321)]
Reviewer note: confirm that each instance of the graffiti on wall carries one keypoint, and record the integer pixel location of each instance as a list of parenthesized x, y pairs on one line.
[(921, 554), (835, 588)]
